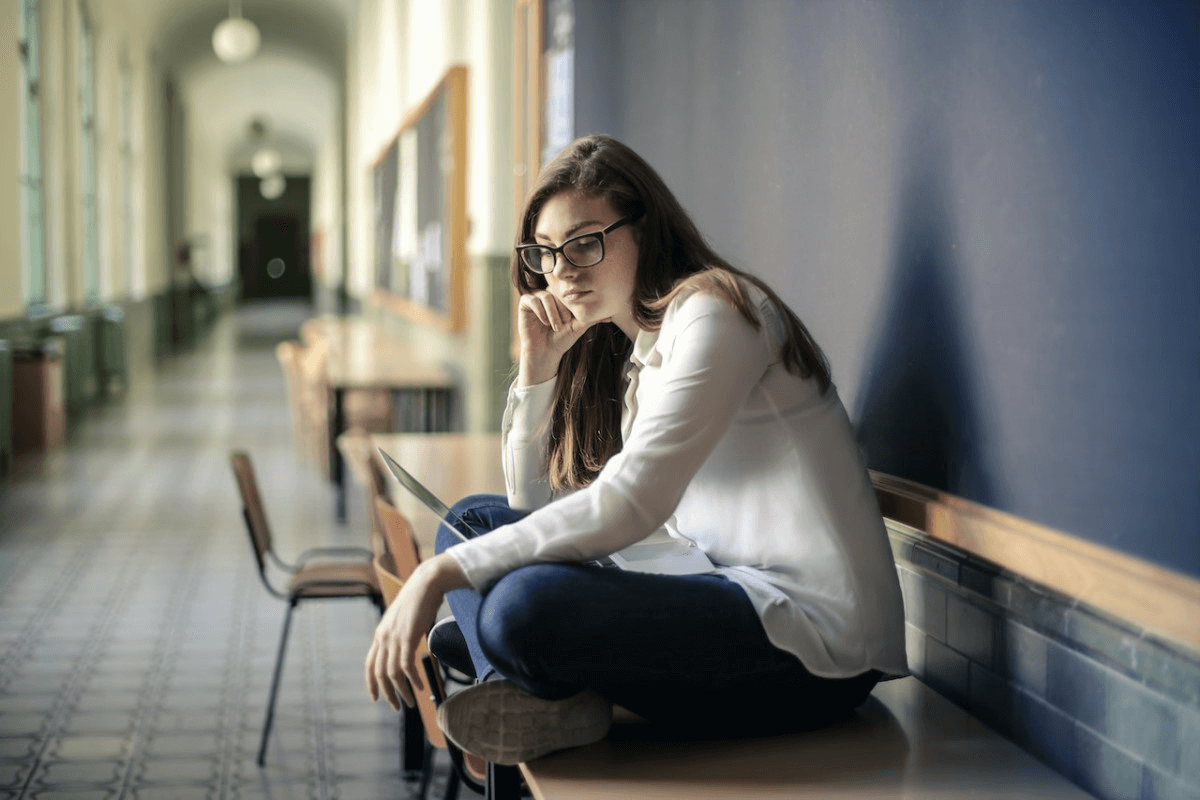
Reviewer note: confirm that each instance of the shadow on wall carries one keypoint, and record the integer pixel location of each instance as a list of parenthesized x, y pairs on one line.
[(918, 413)]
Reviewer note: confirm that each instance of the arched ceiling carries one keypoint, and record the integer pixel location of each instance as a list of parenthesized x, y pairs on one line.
[(294, 84), (296, 100)]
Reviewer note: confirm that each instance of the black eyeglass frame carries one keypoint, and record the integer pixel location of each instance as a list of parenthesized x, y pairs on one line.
[(561, 249)]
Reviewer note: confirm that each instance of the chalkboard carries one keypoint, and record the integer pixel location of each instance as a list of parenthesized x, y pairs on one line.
[(419, 183)]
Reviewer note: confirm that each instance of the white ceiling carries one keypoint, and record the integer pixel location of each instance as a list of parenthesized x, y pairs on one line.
[(294, 84)]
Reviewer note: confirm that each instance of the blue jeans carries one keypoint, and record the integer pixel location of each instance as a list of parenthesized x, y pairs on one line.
[(687, 651)]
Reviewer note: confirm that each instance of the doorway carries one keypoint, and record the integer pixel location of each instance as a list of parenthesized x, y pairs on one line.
[(273, 241)]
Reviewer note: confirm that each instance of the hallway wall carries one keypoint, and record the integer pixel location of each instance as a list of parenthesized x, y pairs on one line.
[(398, 53), (132, 245), (10, 160), (984, 211)]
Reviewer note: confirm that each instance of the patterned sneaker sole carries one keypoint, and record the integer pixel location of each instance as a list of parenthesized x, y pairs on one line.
[(505, 725)]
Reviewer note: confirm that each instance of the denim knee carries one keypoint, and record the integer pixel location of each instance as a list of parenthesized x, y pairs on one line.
[(480, 511), (473, 502), (519, 625)]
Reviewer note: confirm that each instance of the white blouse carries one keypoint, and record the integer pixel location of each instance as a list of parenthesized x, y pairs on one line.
[(729, 450)]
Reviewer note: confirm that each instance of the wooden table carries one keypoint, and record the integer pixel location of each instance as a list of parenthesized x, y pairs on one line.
[(364, 355), (451, 465)]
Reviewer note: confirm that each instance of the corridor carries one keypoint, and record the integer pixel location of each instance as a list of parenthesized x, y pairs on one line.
[(136, 641)]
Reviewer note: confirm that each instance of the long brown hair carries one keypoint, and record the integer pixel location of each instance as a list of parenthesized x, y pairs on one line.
[(673, 257)]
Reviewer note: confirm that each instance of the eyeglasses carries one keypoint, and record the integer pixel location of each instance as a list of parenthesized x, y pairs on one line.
[(585, 250)]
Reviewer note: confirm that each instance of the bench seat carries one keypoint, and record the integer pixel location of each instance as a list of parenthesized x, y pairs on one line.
[(906, 741)]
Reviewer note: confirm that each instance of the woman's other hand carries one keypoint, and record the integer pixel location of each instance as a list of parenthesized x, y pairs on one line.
[(392, 669), (547, 329)]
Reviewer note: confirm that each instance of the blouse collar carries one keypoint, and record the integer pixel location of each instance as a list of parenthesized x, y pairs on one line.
[(643, 347)]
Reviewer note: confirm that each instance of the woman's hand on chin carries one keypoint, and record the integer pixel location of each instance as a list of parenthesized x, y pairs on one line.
[(391, 668), (547, 330)]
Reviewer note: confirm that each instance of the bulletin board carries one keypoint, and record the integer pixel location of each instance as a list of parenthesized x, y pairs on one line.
[(419, 186), (528, 98)]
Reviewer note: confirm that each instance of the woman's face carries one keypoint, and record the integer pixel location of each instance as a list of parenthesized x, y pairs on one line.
[(600, 293)]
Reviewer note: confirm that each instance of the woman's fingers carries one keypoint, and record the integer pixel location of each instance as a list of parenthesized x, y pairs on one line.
[(384, 676), (369, 668), (529, 305), (554, 310), (548, 310), (398, 687), (392, 667)]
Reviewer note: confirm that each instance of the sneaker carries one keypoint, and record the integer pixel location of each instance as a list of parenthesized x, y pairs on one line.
[(446, 641), (506, 725)]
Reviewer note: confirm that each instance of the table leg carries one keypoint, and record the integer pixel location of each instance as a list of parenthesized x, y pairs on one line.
[(337, 423), (503, 783), (446, 409)]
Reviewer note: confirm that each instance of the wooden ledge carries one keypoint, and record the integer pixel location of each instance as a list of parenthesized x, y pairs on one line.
[(905, 741), (1163, 602)]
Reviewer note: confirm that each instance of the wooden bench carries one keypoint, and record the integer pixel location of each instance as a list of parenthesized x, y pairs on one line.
[(906, 741)]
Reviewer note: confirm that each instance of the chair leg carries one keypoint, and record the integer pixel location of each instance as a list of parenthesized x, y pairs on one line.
[(287, 624), (452, 784), (413, 752), (426, 772), (458, 769)]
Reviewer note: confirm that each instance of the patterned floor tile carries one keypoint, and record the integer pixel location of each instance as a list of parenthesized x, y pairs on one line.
[(13, 774), (97, 722), (16, 748), (27, 702), (136, 642), (169, 745), (72, 773), (178, 770), (86, 748), (171, 793), (23, 723), (77, 793)]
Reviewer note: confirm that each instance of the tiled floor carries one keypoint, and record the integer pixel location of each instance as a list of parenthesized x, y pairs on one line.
[(136, 641)]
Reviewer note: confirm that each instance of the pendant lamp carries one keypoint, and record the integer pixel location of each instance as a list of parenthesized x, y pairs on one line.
[(235, 39)]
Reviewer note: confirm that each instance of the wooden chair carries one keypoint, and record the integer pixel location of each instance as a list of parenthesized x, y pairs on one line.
[(393, 568), (369, 410), (356, 450), (288, 354), (326, 573)]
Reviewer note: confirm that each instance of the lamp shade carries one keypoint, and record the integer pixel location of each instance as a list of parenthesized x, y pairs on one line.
[(235, 39), (266, 162)]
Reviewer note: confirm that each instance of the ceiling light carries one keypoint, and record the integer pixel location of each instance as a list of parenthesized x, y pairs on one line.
[(272, 187), (266, 162), (235, 39)]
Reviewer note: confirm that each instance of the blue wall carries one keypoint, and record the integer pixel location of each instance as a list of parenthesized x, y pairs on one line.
[(988, 212)]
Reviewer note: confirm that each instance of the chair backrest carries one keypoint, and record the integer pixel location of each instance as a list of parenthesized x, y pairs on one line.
[(314, 400), (377, 488), (252, 507), (398, 535), (390, 583), (311, 362), (288, 354)]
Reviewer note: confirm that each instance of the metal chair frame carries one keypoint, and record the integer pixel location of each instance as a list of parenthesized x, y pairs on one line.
[(301, 587)]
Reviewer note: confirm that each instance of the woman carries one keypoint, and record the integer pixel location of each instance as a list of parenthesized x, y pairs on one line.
[(657, 386)]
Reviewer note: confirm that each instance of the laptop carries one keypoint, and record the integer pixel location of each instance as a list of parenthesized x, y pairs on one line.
[(658, 553)]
